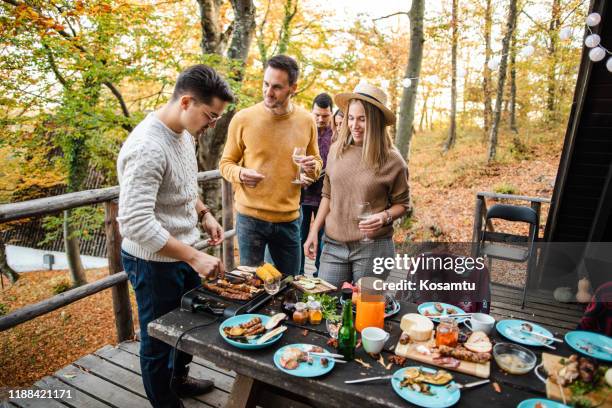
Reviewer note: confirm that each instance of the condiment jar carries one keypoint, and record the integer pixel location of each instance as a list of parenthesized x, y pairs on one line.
[(315, 315), (300, 315)]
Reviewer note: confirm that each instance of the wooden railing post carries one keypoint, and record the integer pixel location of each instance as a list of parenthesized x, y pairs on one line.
[(121, 298), (477, 224), (227, 205)]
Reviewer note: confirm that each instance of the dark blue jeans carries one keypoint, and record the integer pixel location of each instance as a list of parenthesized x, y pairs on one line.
[(159, 287), (308, 212), (282, 239)]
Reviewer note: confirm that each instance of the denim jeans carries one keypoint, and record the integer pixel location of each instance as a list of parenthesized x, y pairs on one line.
[(308, 212), (282, 239), (159, 287)]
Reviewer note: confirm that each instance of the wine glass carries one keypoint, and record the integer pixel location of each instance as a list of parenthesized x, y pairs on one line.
[(272, 287), (298, 154), (364, 212)]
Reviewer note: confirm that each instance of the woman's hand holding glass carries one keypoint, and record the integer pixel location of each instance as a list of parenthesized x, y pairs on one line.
[(372, 224)]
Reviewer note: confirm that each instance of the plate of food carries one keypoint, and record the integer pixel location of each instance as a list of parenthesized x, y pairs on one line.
[(541, 403), (294, 359), (590, 343), (439, 309), (426, 387), (519, 332), (252, 331)]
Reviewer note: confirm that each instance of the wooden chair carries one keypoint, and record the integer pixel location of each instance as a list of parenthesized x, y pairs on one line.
[(503, 246)]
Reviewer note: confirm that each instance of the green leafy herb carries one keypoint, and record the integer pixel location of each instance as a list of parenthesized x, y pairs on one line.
[(329, 305)]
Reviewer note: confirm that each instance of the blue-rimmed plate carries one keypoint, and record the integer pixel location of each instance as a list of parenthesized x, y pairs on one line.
[(249, 344), (442, 396), (592, 344), (431, 309), (511, 329), (532, 403), (304, 369)]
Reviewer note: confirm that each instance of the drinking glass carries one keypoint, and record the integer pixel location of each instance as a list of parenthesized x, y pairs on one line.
[(298, 154), (272, 287), (364, 212)]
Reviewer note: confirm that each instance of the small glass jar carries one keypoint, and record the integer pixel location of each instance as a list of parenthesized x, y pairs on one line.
[(447, 332), (315, 315), (300, 315)]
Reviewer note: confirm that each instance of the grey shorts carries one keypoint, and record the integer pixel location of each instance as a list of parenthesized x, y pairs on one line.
[(351, 261)]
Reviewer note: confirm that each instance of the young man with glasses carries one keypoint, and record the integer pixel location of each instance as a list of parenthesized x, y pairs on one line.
[(159, 213), (257, 159)]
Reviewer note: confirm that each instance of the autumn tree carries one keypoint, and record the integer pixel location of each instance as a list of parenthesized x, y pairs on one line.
[(510, 25), (413, 70)]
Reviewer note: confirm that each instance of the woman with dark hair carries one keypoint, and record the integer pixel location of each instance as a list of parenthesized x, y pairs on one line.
[(365, 189)]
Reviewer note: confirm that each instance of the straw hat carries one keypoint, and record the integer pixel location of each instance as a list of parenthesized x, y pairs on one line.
[(369, 93)]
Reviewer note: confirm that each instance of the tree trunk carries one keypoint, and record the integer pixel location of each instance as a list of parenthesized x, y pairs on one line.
[(424, 112), (452, 131), (210, 144), (285, 33), (5, 269), (213, 40), (486, 73), (73, 253), (503, 66), (413, 70), (551, 77), (512, 101)]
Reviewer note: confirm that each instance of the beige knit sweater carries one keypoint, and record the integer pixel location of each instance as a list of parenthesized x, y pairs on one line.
[(349, 182)]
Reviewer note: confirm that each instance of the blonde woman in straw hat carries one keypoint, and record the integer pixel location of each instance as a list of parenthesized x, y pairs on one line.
[(365, 189)]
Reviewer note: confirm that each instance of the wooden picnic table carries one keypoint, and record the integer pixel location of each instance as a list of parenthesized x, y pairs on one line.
[(259, 382)]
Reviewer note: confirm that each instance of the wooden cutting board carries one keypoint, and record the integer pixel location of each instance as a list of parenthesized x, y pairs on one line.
[(319, 287), (482, 370), (601, 398)]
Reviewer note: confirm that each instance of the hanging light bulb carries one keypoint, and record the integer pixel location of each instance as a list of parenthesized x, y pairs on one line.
[(597, 54), (593, 19), (565, 33), (406, 82), (527, 51), (592, 40), (461, 72), (609, 64), (342, 79)]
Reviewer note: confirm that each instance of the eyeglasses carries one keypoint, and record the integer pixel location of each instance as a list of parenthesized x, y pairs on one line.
[(211, 119)]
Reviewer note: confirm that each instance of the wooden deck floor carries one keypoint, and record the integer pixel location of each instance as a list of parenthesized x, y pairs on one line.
[(110, 377)]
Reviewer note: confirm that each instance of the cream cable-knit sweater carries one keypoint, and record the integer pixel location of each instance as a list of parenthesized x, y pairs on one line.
[(157, 171)]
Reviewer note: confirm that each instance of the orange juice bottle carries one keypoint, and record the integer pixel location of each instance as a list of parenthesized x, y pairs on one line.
[(370, 313)]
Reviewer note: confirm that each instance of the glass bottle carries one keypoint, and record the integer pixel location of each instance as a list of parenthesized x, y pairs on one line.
[(347, 336)]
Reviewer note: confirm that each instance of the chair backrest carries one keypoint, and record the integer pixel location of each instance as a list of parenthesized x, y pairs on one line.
[(515, 213)]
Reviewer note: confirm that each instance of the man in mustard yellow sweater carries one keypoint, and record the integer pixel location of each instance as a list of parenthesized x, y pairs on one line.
[(258, 161)]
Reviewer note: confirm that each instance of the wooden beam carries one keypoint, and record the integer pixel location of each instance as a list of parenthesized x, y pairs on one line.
[(512, 197), (51, 205), (122, 307), (48, 305), (228, 223)]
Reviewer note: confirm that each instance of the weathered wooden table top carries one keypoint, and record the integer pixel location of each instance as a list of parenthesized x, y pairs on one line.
[(330, 389)]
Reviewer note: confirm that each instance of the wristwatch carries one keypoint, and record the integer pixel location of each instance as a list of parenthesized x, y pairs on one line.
[(389, 219), (202, 213)]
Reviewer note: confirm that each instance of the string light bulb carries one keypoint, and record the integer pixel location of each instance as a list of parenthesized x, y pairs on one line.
[(592, 40), (565, 33), (609, 64), (406, 82), (593, 19), (597, 54)]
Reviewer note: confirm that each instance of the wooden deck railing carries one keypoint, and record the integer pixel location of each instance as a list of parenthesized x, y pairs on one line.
[(117, 279)]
